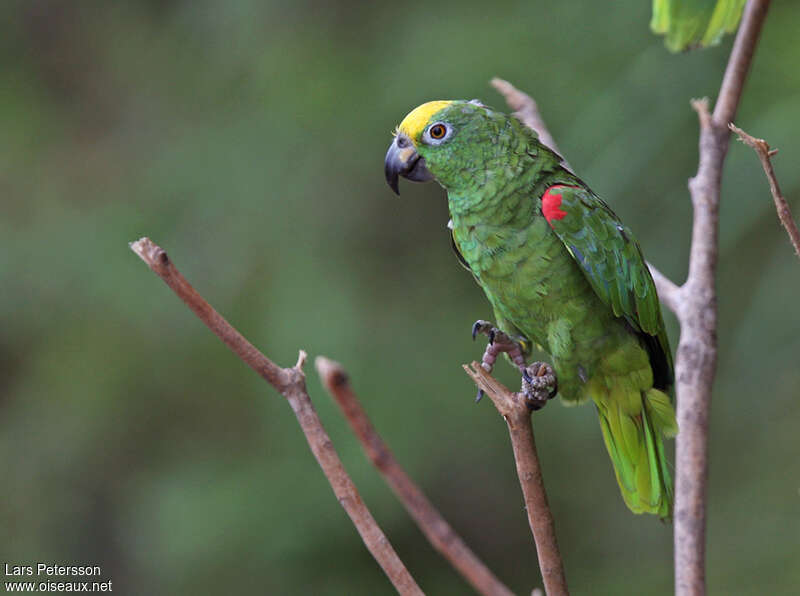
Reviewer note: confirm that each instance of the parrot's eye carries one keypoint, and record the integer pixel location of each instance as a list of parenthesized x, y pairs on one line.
[(438, 131)]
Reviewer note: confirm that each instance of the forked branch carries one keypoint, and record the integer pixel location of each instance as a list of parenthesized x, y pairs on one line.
[(291, 383), (695, 363)]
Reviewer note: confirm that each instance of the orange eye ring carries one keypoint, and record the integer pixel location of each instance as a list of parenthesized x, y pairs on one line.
[(437, 131)]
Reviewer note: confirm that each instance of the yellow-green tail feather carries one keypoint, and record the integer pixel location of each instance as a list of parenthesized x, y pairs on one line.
[(633, 422)]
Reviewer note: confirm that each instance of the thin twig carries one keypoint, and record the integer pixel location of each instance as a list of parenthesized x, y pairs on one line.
[(291, 383), (514, 410), (439, 533), (762, 149)]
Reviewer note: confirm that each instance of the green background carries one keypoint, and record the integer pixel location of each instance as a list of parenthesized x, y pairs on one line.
[(247, 138)]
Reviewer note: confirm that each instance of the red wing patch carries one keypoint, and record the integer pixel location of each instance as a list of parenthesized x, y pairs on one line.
[(551, 203)]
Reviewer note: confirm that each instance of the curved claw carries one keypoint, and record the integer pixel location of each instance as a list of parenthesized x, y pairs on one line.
[(554, 390), (476, 326), (479, 396), (481, 326)]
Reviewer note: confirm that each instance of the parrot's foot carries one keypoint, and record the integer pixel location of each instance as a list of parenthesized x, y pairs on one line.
[(499, 342), (539, 384)]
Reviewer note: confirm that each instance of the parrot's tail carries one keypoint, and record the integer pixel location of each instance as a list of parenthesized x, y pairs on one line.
[(633, 422)]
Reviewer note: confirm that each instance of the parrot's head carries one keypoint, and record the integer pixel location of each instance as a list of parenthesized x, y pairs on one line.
[(451, 141)]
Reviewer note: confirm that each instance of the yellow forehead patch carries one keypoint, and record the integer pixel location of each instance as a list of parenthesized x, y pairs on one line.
[(416, 121)]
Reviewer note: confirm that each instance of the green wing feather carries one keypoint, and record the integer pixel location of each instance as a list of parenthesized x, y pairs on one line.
[(612, 262)]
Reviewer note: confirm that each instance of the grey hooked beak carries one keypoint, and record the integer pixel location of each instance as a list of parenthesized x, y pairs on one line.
[(403, 160)]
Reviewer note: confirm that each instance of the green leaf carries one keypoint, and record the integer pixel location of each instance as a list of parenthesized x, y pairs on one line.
[(689, 24)]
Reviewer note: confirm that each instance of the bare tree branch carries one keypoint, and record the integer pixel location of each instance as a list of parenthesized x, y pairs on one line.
[(744, 46), (514, 409), (291, 383), (695, 363), (761, 147), (438, 532)]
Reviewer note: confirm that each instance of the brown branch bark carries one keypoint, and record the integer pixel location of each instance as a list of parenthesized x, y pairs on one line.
[(436, 529), (514, 410), (291, 383), (762, 149)]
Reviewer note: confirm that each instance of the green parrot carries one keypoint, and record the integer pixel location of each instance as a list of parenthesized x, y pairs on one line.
[(561, 272)]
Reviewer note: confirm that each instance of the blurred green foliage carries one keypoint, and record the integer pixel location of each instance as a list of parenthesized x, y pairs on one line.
[(247, 138), (690, 24)]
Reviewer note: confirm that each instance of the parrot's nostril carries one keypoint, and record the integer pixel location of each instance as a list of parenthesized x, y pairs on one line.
[(402, 141)]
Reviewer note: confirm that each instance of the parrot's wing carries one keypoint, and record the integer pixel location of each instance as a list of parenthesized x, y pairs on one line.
[(612, 262)]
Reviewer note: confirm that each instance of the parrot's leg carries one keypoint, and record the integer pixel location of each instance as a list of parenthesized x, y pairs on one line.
[(499, 342), (539, 382)]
